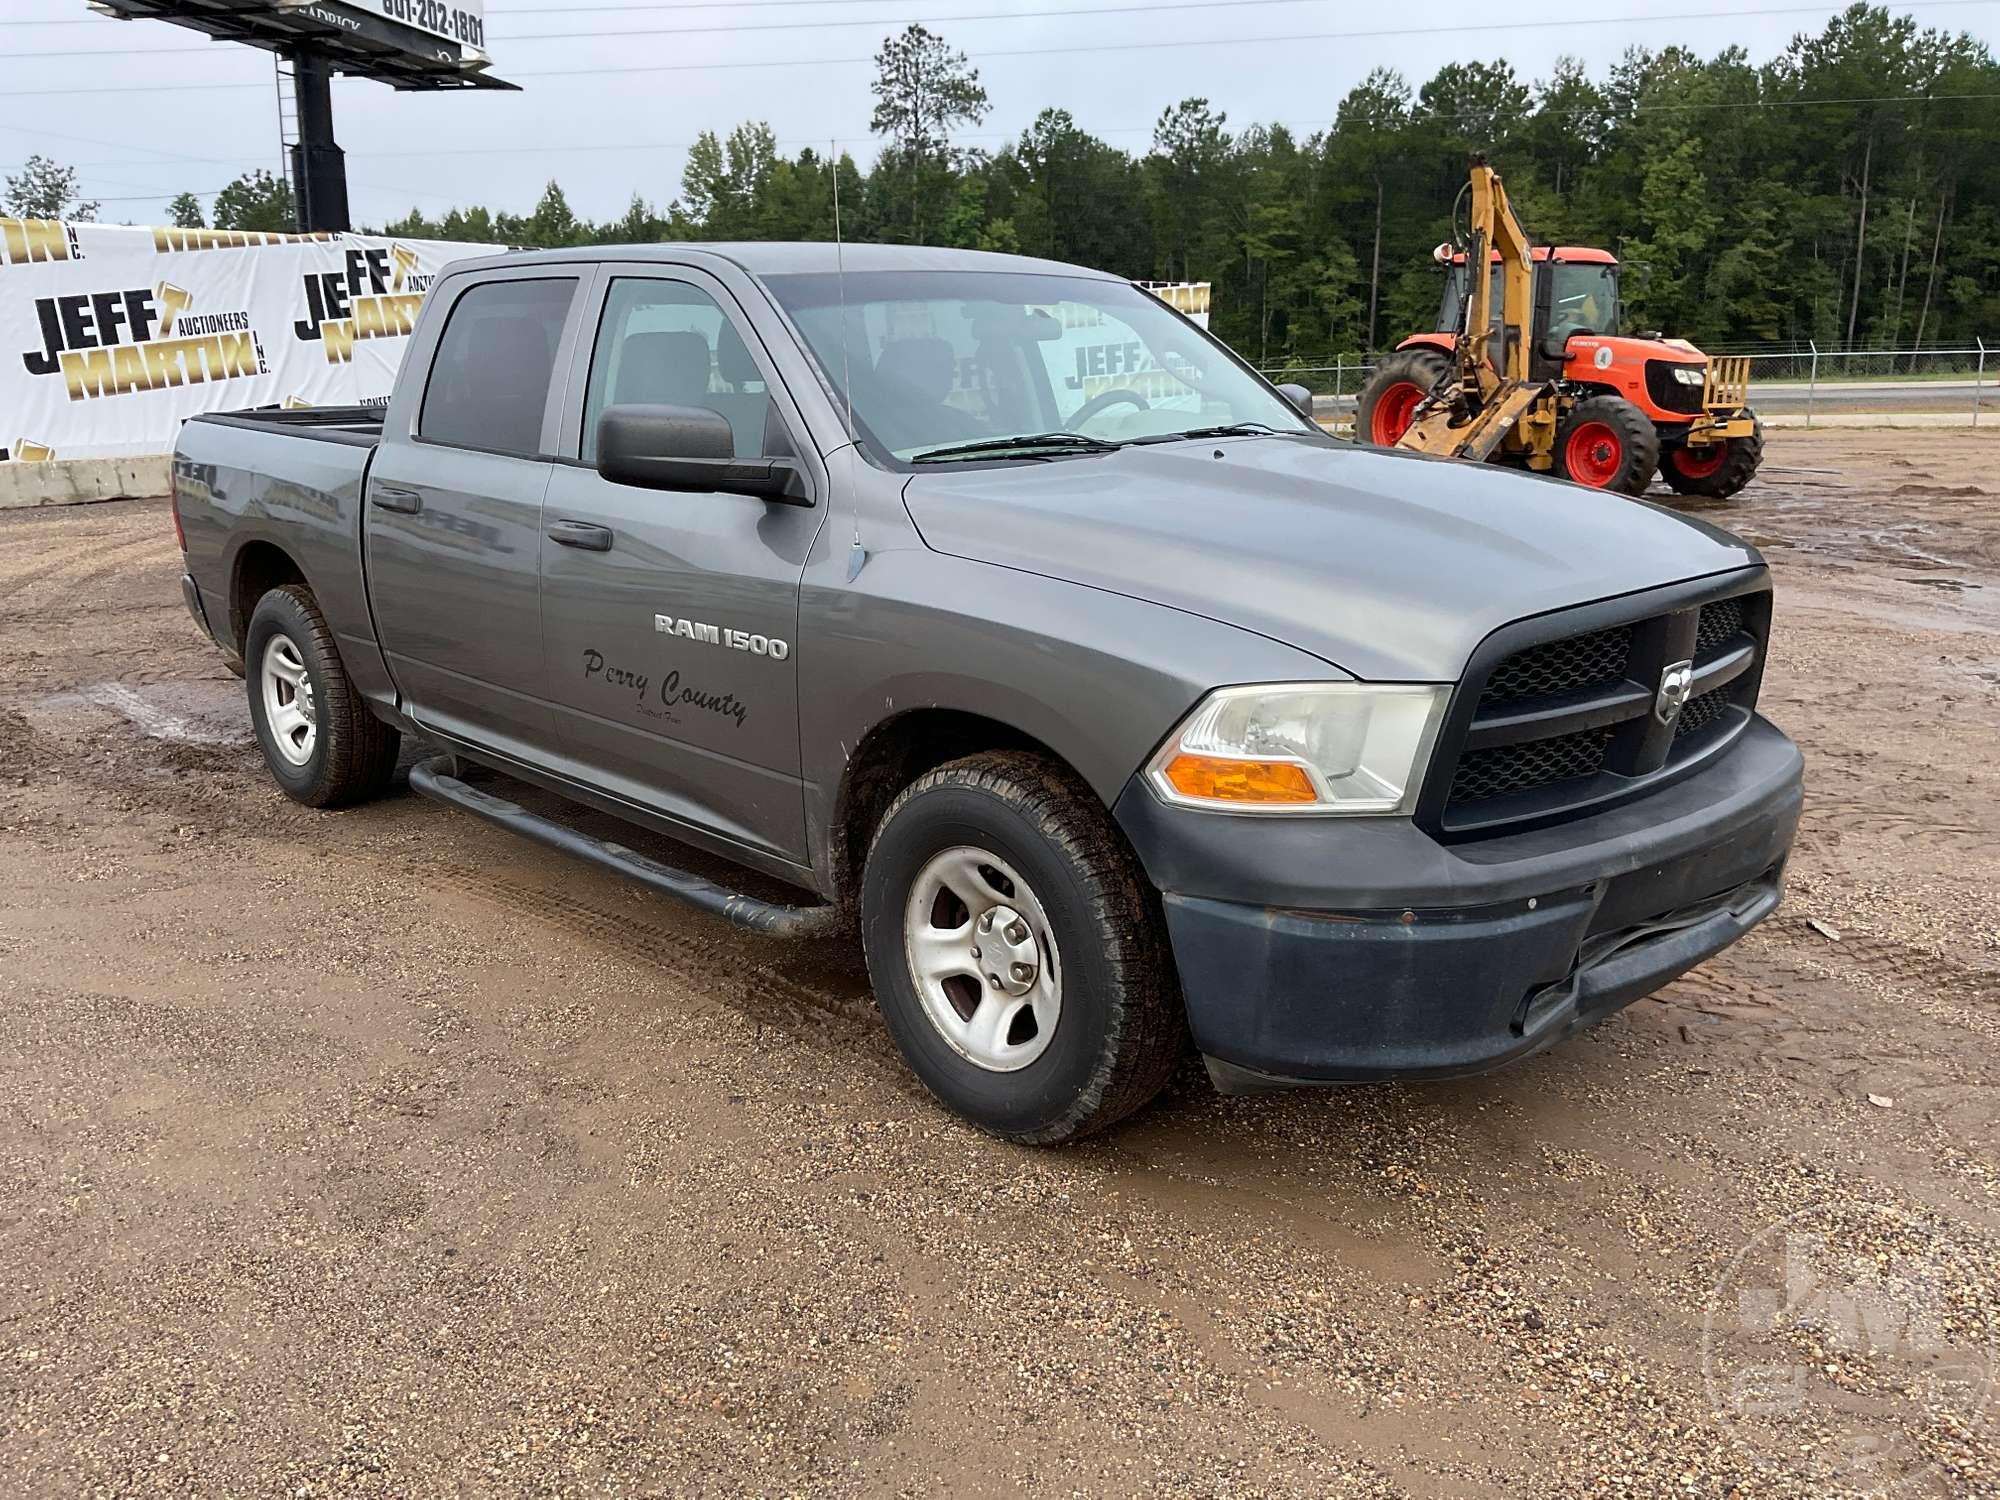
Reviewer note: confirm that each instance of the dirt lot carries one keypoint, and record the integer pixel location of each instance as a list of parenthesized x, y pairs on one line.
[(381, 1153)]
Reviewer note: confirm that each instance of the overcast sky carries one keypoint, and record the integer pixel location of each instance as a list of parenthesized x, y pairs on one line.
[(603, 134)]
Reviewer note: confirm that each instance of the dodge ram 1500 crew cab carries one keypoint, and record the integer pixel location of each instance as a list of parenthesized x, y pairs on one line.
[(1012, 620)]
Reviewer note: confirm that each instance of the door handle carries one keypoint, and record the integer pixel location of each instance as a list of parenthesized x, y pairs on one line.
[(580, 534), (388, 497)]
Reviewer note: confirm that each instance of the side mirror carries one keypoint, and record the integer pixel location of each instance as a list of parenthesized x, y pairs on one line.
[(689, 448), (1299, 396)]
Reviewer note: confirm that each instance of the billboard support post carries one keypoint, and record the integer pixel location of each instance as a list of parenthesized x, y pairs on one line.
[(319, 166)]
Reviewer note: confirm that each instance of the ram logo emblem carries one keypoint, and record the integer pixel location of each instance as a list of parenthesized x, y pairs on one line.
[(1676, 684)]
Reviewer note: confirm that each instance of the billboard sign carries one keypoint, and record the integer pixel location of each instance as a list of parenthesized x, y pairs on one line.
[(111, 336), (442, 33), (407, 44), (460, 21)]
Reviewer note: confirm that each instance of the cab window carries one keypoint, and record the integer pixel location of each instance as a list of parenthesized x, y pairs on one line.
[(489, 381), (668, 343)]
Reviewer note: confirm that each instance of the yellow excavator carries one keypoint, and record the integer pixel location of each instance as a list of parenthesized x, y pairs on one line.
[(1526, 367)]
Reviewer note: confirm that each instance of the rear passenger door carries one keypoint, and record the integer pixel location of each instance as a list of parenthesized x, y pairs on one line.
[(454, 513), (670, 619)]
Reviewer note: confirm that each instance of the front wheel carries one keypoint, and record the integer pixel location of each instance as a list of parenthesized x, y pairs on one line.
[(1716, 470), (1389, 399), (1607, 443), (1017, 953)]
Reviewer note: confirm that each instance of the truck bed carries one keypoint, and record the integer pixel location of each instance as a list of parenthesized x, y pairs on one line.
[(292, 481), (357, 426)]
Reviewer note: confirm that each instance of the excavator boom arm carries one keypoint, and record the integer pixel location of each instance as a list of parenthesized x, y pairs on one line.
[(1496, 230)]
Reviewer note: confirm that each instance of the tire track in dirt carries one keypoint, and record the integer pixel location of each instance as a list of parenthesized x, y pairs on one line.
[(1839, 820), (1908, 964), (73, 568), (1843, 1032), (785, 989)]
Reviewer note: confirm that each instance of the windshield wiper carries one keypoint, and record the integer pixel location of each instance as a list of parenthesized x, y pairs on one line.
[(1227, 429), (1026, 445)]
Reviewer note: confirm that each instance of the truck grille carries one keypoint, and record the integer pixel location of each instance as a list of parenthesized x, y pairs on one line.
[(1700, 712), (1565, 724), (1582, 661), (1515, 768), (1719, 625), (1668, 392)]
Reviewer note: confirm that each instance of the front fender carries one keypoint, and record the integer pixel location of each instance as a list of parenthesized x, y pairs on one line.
[(1097, 677)]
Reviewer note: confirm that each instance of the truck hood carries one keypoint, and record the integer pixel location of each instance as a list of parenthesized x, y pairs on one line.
[(1391, 566)]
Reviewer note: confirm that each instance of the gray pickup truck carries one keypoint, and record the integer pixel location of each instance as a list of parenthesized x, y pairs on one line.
[(1000, 612)]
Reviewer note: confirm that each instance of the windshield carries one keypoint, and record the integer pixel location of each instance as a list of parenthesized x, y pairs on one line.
[(1584, 298), (941, 359), (1451, 317)]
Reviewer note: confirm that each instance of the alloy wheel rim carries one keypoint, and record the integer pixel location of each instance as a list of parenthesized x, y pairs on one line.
[(290, 708), (982, 958)]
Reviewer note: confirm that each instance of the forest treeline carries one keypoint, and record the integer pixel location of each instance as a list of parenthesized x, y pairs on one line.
[(1848, 191)]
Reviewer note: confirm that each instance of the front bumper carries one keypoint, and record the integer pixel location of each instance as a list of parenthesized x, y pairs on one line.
[(1718, 427), (1332, 950)]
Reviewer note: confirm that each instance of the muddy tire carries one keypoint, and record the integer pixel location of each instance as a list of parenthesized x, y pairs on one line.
[(1389, 397), (1017, 952), (323, 746), (1607, 443), (1713, 474)]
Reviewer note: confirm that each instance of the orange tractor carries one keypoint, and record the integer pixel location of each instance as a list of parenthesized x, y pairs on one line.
[(1526, 367)]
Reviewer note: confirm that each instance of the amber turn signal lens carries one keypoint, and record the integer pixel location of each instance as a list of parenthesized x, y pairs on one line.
[(1252, 781)]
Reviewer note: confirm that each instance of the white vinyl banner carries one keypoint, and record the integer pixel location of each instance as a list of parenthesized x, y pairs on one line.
[(111, 336)]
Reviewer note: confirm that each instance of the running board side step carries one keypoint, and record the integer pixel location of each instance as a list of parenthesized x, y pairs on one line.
[(435, 779)]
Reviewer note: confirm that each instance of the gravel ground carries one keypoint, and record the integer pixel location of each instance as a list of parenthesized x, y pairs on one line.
[(378, 1153)]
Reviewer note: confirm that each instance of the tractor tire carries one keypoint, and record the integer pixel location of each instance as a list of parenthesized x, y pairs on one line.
[(1717, 471), (1383, 409), (1607, 443)]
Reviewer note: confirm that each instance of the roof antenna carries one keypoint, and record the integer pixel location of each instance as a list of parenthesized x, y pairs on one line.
[(840, 276), (857, 555)]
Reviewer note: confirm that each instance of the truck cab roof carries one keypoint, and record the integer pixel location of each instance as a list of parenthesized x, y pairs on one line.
[(782, 258)]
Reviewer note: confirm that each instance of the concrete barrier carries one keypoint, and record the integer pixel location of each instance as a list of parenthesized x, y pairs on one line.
[(79, 481)]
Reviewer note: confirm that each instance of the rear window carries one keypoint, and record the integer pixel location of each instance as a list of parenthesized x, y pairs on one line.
[(490, 381)]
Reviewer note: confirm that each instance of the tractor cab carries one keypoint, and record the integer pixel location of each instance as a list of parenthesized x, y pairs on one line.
[(1575, 292)]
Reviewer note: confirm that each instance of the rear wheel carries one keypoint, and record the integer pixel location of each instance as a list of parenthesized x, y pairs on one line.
[(1715, 470), (1392, 394), (1018, 955), (323, 746), (1607, 443)]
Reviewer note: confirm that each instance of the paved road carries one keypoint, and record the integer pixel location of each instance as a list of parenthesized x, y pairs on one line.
[(1875, 395)]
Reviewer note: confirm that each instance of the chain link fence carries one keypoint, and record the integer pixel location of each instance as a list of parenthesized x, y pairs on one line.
[(1794, 380)]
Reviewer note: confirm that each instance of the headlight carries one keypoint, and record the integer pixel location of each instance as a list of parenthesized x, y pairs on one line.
[(1309, 747), (1688, 374)]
